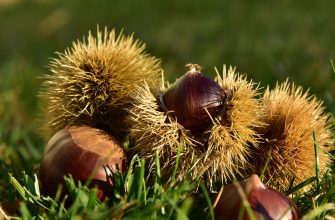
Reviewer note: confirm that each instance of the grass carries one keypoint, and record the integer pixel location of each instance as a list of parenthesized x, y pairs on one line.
[(136, 198), (132, 199), (294, 40)]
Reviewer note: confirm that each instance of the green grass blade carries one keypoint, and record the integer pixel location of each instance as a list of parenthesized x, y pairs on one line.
[(37, 187), (316, 152), (92, 199), (245, 204), (17, 186), (25, 213), (141, 180), (208, 200), (266, 164), (291, 183), (300, 185), (130, 176), (157, 184), (185, 208), (317, 211), (173, 177), (137, 182)]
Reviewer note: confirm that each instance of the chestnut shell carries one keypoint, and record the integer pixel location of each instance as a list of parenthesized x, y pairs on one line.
[(265, 202), (190, 96), (83, 152)]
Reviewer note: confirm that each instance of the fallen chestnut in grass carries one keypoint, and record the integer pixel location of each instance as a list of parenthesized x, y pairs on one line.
[(193, 98), (85, 153), (265, 202)]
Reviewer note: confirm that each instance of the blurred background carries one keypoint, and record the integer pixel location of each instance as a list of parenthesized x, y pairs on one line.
[(268, 40)]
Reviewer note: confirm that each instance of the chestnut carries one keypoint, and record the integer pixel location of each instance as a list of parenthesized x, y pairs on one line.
[(85, 153), (265, 202), (10, 208), (228, 114), (194, 98)]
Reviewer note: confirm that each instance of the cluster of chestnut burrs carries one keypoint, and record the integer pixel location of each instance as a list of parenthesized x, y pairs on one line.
[(107, 91)]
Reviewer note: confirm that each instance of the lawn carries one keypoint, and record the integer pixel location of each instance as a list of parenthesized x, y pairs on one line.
[(268, 41)]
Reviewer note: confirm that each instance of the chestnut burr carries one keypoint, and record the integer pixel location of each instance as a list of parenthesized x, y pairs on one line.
[(291, 117), (93, 82), (210, 122)]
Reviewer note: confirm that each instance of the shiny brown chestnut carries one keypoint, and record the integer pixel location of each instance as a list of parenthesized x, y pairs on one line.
[(194, 99), (265, 202), (85, 153)]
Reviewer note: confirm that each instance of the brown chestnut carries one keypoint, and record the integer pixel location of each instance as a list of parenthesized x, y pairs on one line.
[(85, 153), (194, 99), (10, 208), (265, 202)]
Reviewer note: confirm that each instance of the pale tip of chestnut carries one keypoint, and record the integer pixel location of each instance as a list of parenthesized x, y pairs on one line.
[(265, 202), (194, 68)]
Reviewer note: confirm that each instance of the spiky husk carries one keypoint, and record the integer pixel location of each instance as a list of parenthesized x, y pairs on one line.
[(229, 137), (219, 154), (292, 116), (93, 81)]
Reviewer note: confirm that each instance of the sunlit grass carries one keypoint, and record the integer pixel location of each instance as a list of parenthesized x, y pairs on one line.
[(295, 40)]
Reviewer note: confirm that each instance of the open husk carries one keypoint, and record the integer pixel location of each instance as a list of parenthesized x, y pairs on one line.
[(218, 154)]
